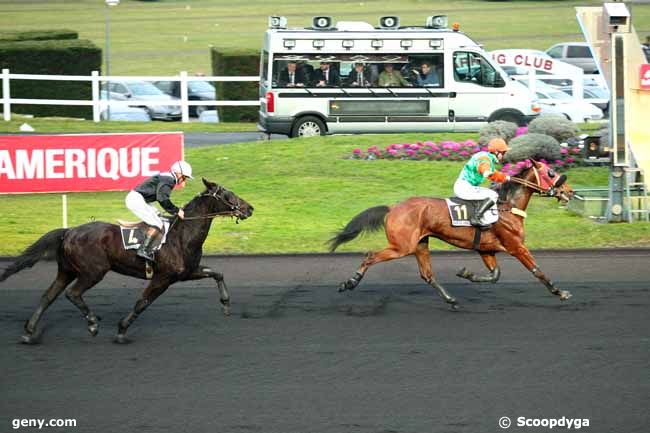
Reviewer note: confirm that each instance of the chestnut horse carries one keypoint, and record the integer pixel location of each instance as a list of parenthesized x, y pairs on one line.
[(87, 252), (409, 224)]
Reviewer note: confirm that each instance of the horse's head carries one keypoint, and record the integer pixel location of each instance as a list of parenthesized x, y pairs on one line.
[(549, 182), (226, 201)]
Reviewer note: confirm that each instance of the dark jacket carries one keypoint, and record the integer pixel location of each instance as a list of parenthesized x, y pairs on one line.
[(298, 79), (159, 188), (333, 78), (353, 79)]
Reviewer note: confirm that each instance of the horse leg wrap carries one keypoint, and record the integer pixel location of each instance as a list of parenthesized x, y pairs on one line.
[(548, 283)]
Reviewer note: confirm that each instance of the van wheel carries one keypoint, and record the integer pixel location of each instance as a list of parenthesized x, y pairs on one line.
[(512, 118), (308, 126)]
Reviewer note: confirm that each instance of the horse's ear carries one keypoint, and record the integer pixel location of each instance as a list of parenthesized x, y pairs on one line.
[(207, 183)]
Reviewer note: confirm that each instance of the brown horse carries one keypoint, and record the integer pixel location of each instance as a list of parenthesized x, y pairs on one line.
[(409, 224), (87, 252)]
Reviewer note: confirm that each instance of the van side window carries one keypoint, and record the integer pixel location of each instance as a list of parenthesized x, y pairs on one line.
[(425, 70), (473, 68), (578, 52), (556, 52), (265, 65)]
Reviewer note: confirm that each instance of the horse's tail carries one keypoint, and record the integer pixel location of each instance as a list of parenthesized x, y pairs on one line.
[(44, 248), (369, 220)]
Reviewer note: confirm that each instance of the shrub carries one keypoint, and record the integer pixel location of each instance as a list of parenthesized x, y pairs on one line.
[(497, 129), (557, 127), (51, 57), (234, 64), (532, 145)]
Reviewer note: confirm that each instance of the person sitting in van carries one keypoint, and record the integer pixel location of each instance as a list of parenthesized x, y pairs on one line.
[(326, 76), (291, 76), (428, 76), (359, 77), (391, 78)]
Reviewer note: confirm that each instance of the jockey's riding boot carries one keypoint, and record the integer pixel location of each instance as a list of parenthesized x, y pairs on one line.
[(146, 248), (480, 210)]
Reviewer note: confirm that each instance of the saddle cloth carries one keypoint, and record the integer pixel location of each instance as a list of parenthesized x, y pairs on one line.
[(133, 234), (460, 211)]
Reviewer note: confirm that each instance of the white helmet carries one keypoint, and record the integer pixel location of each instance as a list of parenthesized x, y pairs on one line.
[(183, 168)]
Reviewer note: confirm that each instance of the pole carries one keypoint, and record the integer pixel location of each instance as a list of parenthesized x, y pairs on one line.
[(64, 206), (107, 70)]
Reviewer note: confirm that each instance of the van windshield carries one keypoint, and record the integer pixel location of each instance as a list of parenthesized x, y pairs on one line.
[(358, 70)]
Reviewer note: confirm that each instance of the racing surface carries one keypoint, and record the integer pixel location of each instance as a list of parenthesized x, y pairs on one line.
[(296, 356)]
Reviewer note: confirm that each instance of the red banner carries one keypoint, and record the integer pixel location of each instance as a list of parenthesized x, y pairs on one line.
[(88, 162)]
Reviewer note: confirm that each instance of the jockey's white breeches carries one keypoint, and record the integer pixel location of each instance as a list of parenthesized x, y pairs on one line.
[(147, 213), (465, 190)]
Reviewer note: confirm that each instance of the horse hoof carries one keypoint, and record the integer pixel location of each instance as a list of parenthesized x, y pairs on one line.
[(121, 339), (93, 329), (462, 272), (454, 307), (28, 339), (342, 288), (564, 295)]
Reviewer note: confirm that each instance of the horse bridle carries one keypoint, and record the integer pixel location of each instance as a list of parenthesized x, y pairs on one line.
[(219, 195), (537, 187)]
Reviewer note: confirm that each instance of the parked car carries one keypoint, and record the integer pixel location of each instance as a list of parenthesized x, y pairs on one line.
[(121, 112), (594, 95), (196, 91), (575, 53), (554, 101), (144, 91)]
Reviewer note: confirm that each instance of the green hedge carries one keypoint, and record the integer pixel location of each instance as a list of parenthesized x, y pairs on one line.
[(38, 35), (236, 64), (52, 57)]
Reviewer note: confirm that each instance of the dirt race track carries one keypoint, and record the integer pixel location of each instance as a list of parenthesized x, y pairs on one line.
[(296, 356)]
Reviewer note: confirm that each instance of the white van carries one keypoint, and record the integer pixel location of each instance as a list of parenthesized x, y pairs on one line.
[(448, 82)]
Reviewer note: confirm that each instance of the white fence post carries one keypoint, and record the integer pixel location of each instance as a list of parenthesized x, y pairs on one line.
[(96, 96), (6, 96), (185, 109)]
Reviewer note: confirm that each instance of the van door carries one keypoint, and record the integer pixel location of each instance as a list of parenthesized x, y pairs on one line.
[(477, 96)]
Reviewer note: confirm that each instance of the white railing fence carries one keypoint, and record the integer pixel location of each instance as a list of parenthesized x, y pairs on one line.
[(99, 104)]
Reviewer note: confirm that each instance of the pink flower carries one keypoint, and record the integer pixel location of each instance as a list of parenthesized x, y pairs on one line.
[(559, 162), (575, 150), (570, 160), (444, 153), (464, 153), (356, 151), (427, 151), (522, 164), (521, 131), (414, 146), (484, 149), (477, 149), (410, 152), (435, 148), (564, 151), (447, 146), (429, 143)]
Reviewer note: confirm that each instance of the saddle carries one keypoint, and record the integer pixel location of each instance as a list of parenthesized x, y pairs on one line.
[(133, 233), (461, 210)]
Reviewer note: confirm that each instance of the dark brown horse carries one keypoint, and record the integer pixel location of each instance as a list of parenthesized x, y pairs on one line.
[(409, 225), (87, 252)]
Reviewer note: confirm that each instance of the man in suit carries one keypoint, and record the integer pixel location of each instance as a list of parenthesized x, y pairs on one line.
[(359, 77), (291, 76), (326, 76)]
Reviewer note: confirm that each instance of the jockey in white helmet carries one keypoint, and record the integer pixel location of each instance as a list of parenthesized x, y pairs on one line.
[(157, 188)]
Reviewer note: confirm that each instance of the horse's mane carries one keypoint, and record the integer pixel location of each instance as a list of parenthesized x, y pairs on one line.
[(508, 189)]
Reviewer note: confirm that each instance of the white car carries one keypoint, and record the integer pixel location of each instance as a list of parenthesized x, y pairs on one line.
[(147, 92), (555, 101), (121, 112)]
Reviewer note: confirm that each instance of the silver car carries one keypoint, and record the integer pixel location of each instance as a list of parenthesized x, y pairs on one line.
[(144, 91), (575, 53)]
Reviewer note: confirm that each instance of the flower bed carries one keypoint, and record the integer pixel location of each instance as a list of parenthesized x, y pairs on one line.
[(458, 151)]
